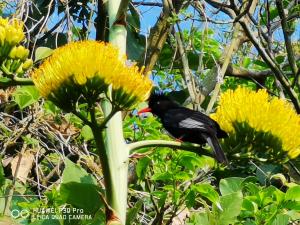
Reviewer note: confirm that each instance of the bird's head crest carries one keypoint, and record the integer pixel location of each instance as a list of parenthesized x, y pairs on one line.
[(159, 103), (157, 96)]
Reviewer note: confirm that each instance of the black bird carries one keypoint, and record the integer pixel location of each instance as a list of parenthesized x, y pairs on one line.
[(187, 125)]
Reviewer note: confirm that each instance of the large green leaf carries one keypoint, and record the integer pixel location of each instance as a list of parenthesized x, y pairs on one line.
[(42, 52), (231, 185), (199, 218), (281, 219), (141, 167), (87, 133), (25, 96), (79, 188), (133, 212), (164, 176), (208, 192), (293, 193), (231, 205)]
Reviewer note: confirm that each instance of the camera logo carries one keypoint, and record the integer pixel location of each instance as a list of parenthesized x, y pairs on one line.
[(16, 213)]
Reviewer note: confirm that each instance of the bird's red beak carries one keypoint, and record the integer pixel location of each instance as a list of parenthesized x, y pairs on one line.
[(144, 110)]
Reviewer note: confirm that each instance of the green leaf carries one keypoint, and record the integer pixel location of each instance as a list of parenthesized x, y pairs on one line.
[(133, 212), (199, 218), (141, 167), (4, 79), (293, 205), (25, 96), (165, 176), (249, 208), (260, 63), (87, 133), (231, 207), (281, 219), (162, 196), (293, 193), (42, 52), (79, 188), (231, 185), (246, 62), (264, 172), (280, 59), (51, 108), (135, 46), (190, 199), (270, 195), (207, 191), (209, 81), (182, 175), (294, 214), (30, 140), (253, 189), (133, 19)]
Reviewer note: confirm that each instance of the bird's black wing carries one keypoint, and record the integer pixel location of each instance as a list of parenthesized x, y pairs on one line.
[(188, 119), (193, 126)]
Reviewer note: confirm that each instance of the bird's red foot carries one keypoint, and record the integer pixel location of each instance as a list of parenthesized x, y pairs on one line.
[(179, 139)]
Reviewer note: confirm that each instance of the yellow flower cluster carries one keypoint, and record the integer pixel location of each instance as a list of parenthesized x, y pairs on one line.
[(11, 31), (13, 56), (261, 113), (82, 61)]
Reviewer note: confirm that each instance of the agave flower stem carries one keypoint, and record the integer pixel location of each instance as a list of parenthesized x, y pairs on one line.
[(15, 81), (82, 117), (108, 117), (117, 157), (101, 151), (117, 152), (170, 144)]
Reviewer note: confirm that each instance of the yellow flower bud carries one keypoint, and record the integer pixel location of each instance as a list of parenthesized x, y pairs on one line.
[(20, 70), (13, 52), (14, 36), (27, 64), (17, 24), (2, 35), (3, 22), (22, 53)]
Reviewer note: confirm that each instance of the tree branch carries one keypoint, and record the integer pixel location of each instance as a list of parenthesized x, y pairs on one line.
[(147, 4), (245, 11), (277, 72), (244, 73), (187, 75), (157, 38), (222, 7), (287, 37), (101, 22), (229, 51)]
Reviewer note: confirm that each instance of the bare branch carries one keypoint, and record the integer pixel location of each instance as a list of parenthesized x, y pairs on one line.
[(158, 35), (276, 70), (287, 37)]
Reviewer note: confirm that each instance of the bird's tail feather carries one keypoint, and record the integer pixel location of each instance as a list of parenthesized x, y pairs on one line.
[(219, 154)]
